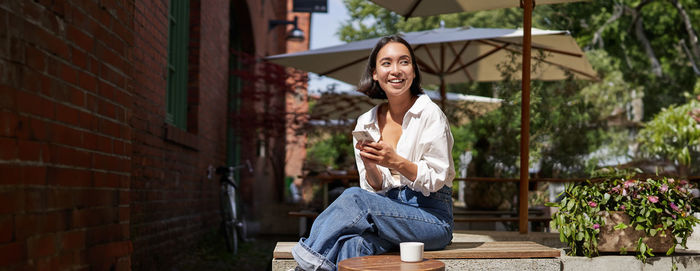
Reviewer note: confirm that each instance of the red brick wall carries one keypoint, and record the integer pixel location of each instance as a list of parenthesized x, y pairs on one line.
[(173, 202), (297, 102), (65, 140), (91, 176)]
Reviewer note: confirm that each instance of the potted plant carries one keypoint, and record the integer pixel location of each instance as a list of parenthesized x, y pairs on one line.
[(647, 209)]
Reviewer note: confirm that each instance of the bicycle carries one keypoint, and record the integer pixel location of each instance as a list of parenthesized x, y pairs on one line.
[(232, 226)]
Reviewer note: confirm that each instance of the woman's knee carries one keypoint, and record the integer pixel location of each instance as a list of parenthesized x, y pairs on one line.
[(354, 191), (351, 197), (351, 193)]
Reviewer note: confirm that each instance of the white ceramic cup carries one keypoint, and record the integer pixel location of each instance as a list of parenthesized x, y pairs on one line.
[(411, 251)]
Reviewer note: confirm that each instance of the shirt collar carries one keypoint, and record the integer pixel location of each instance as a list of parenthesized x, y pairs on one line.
[(415, 109), (420, 104)]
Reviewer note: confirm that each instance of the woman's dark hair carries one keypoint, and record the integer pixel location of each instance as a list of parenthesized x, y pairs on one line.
[(370, 87)]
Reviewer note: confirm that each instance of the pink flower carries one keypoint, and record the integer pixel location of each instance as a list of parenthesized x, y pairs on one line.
[(592, 204), (664, 188), (615, 189), (622, 207), (675, 207), (671, 180), (596, 226), (629, 183), (683, 182), (653, 199), (674, 216)]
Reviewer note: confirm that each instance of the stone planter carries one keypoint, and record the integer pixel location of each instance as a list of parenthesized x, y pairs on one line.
[(611, 240)]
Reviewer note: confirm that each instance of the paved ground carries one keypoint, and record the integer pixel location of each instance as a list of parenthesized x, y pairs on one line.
[(211, 254)]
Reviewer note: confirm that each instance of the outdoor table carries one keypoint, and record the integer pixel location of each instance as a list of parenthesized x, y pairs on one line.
[(326, 179), (387, 262)]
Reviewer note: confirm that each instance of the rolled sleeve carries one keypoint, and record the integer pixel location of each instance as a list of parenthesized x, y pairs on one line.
[(435, 168)]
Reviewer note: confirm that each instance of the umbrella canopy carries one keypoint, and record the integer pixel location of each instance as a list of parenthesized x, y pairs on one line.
[(453, 55), (456, 54), (341, 107), (418, 8)]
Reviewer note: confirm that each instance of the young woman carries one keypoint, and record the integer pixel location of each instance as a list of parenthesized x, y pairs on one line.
[(405, 177)]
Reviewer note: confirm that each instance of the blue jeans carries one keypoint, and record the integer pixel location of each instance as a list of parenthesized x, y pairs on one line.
[(361, 223)]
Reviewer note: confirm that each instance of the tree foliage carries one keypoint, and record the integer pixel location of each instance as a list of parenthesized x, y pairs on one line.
[(650, 42), (673, 135), (330, 151)]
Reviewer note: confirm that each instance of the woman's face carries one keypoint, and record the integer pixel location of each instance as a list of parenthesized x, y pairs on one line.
[(394, 69)]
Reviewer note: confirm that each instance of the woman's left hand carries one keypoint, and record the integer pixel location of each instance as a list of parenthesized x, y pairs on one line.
[(380, 153)]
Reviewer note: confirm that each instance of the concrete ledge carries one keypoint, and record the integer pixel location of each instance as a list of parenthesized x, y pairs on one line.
[(547, 264), (283, 264), (684, 262), (629, 262)]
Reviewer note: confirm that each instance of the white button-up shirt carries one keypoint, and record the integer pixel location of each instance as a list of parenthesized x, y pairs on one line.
[(426, 140)]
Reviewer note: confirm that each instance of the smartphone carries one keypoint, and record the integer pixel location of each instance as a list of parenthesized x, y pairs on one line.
[(363, 135)]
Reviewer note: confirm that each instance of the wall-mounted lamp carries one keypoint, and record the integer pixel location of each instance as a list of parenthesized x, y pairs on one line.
[(295, 35)]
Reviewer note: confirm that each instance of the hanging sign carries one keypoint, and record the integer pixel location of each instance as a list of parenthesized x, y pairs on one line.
[(310, 6)]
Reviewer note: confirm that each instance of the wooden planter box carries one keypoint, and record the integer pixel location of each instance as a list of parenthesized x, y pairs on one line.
[(611, 240)]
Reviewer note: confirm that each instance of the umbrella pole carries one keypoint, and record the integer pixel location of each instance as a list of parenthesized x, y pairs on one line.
[(525, 117), (443, 93)]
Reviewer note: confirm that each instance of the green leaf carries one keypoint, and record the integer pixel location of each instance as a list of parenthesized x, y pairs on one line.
[(570, 205), (620, 226)]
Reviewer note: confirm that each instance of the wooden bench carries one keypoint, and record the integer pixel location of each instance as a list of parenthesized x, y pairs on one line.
[(463, 255)]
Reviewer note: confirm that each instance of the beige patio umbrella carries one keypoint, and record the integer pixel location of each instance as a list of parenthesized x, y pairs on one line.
[(409, 8), (452, 55)]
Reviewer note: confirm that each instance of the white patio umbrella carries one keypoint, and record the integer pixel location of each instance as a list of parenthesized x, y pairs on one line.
[(452, 55), (408, 8)]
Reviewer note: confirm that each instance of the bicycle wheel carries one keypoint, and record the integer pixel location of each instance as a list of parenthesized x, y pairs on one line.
[(228, 217), (234, 218)]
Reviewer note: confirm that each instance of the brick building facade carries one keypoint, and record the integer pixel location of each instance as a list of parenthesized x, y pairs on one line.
[(92, 174)]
